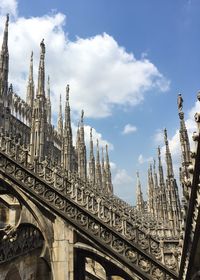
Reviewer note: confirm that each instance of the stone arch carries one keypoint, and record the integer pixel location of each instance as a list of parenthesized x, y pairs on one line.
[(13, 274), (111, 266), (28, 263), (38, 221)]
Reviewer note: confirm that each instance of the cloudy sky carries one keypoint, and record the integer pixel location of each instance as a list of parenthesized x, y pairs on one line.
[(125, 61)]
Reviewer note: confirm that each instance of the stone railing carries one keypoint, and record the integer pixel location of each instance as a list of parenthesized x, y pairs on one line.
[(88, 211), (144, 221)]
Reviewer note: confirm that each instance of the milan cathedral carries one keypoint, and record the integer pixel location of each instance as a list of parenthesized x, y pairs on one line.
[(59, 217)]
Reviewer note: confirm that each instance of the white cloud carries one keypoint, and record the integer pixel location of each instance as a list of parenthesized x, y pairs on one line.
[(123, 184), (8, 6), (142, 159), (121, 178), (113, 166), (128, 128), (95, 135), (101, 73), (159, 136)]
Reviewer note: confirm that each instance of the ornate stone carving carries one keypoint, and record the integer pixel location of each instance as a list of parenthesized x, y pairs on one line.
[(87, 211), (18, 241)]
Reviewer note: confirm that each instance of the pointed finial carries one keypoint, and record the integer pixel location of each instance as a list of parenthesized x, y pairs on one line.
[(7, 22), (102, 152), (97, 151), (137, 174), (107, 156), (31, 68), (60, 107), (7, 18), (5, 36), (90, 133)]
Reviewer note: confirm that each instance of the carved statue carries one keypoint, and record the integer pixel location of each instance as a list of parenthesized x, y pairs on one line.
[(42, 45), (180, 102), (82, 115), (165, 134), (67, 92)]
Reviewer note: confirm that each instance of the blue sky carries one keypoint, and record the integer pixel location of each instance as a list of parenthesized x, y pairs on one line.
[(126, 61)]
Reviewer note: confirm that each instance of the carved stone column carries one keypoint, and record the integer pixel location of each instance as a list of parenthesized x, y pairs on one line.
[(63, 251)]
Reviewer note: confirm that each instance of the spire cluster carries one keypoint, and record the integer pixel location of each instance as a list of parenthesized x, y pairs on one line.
[(56, 145), (41, 138), (162, 196)]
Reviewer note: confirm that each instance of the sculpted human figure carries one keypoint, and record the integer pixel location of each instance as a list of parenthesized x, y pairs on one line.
[(42, 45), (180, 102)]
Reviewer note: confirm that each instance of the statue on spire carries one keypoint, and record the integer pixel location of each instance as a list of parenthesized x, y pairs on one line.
[(180, 102), (42, 45), (82, 116), (158, 151), (67, 92), (165, 135)]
